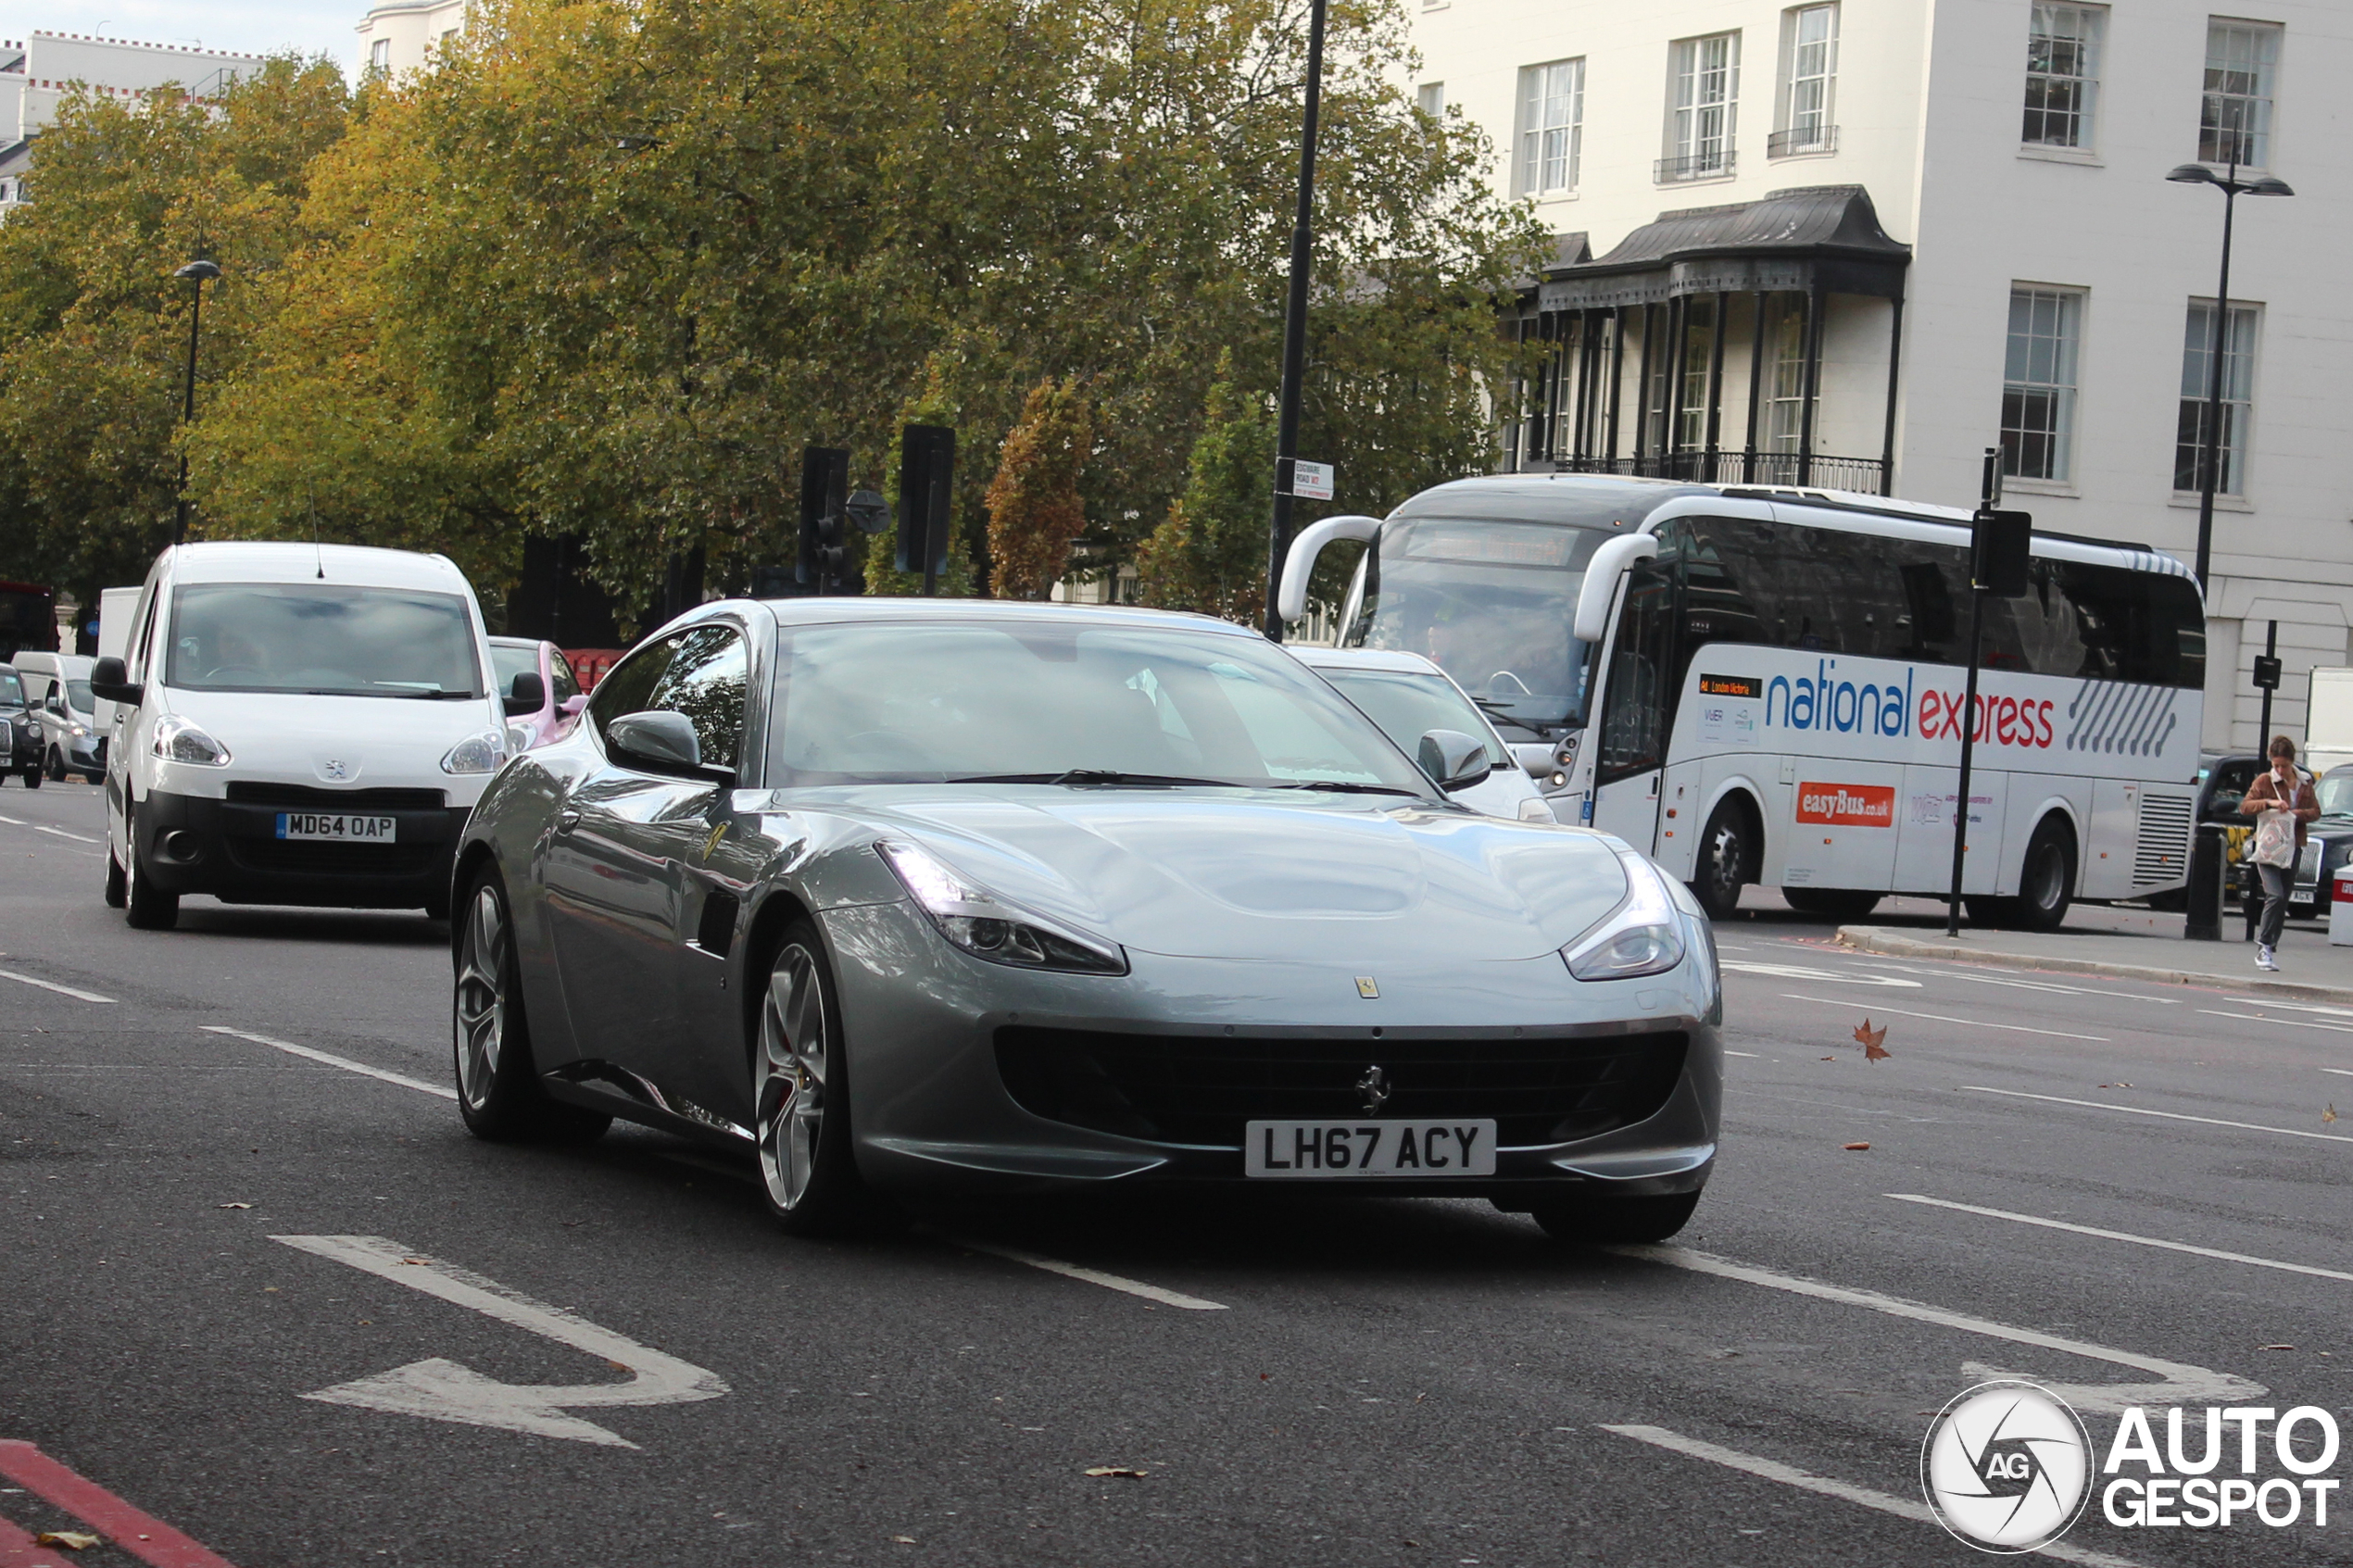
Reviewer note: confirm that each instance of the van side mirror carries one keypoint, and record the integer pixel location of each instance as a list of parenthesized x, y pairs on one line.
[(111, 682), (1452, 760), (528, 694), (663, 742)]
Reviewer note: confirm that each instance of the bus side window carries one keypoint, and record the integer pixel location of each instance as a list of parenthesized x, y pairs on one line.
[(1639, 707)]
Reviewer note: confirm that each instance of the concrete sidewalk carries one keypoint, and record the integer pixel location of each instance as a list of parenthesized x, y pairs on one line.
[(2313, 971)]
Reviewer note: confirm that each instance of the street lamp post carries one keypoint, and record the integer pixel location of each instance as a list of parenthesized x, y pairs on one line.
[(198, 274), (2210, 445), (1303, 245)]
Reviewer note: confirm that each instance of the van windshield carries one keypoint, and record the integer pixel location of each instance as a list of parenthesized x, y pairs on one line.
[(11, 690), (322, 639)]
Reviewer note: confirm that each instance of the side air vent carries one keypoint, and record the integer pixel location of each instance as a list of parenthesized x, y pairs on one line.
[(2161, 854)]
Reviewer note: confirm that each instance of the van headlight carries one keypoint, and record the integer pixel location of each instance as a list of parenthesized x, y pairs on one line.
[(1643, 936), (485, 753), (177, 740), (986, 927)]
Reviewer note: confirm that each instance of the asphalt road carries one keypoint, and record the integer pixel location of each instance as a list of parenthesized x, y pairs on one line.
[(1380, 1382)]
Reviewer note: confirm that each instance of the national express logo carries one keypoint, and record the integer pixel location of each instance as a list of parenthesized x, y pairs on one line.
[(1823, 702)]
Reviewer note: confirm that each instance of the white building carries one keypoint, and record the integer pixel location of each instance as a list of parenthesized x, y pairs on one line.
[(38, 73), (399, 37), (1890, 233)]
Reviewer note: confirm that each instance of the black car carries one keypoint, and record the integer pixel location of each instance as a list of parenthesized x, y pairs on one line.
[(20, 730), (2328, 845)]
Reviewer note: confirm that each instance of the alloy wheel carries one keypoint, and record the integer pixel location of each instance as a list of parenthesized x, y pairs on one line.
[(791, 1076), (482, 998)]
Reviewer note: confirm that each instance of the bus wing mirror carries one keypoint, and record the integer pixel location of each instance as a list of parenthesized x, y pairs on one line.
[(1600, 590), (1290, 603)]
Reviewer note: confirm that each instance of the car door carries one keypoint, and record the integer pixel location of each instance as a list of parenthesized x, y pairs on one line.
[(1637, 710), (614, 872)]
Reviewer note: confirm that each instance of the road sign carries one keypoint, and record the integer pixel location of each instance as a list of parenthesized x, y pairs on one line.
[(2267, 673), (444, 1390), (1311, 482)]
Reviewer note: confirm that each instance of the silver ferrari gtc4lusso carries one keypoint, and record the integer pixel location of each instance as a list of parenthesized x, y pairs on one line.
[(961, 898)]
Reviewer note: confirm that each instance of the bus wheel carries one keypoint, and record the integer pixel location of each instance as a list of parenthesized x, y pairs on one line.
[(1831, 903), (2045, 883), (1727, 852)]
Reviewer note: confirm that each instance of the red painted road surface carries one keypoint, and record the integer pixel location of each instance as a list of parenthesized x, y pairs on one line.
[(120, 1524)]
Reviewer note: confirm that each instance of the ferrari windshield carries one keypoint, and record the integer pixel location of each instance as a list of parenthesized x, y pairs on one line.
[(1064, 702), (1491, 603), (322, 638)]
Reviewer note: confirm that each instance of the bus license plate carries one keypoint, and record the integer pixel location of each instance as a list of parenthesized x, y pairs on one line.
[(337, 827), (1369, 1147)]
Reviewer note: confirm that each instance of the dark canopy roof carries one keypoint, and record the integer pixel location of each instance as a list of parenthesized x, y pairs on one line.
[(1825, 237)]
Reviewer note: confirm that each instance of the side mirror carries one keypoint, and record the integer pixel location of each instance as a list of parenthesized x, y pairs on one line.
[(1299, 564), (1598, 594), (528, 694), (663, 742), (1535, 758), (1452, 760), (111, 682)]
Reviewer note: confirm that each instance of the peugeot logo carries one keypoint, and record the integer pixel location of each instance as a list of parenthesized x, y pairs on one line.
[(334, 770), (1374, 1086)]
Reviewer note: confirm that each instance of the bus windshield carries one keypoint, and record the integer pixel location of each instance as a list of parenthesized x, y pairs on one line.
[(1491, 604)]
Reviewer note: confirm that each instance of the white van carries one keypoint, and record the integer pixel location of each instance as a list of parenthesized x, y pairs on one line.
[(297, 724), (57, 702)]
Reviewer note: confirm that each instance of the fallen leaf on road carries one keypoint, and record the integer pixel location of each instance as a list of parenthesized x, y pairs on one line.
[(232, 1205), (72, 1541), (1829, 1059), (1118, 1470), (902, 1540), (1854, 1145), (419, 1260), (2275, 1346), (1871, 1039), (2329, 1115)]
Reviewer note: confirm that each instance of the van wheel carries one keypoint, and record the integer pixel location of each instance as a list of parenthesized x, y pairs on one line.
[(57, 766), (145, 906), (117, 890), (1831, 903), (1728, 855)]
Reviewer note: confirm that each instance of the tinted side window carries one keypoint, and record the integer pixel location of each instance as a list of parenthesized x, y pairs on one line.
[(704, 681), (630, 687), (567, 684), (1638, 707)]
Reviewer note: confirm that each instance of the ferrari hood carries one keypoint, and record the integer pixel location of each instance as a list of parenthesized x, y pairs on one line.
[(1352, 879)]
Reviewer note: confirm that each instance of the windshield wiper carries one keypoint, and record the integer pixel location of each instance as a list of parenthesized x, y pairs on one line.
[(1097, 778), (1340, 787)]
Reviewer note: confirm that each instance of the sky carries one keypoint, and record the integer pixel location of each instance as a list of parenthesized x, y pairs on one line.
[(258, 27)]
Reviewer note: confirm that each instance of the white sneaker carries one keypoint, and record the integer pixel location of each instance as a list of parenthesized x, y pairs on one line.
[(2263, 959)]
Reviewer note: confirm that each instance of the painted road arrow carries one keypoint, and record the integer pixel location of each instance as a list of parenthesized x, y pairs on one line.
[(444, 1390)]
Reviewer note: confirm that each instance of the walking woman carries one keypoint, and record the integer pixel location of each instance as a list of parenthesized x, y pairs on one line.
[(2281, 803)]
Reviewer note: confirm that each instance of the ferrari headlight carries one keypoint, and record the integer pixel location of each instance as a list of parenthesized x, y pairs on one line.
[(179, 741), (986, 927), (476, 754), (1643, 936)]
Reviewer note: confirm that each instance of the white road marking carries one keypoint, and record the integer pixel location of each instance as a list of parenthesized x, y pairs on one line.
[(2178, 1383), (2292, 1007), (444, 1390), (61, 832), (2062, 990), (1729, 1051), (2126, 1236), (2340, 1072), (2292, 1022), (52, 985), (2168, 1115), (1797, 972), (1845, 1491), (1941, 1017), (13, 822), (1091, 1276), (345, 1062)]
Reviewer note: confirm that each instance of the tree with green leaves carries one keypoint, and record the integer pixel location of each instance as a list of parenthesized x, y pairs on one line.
[(1035, 514), (1210, 553)]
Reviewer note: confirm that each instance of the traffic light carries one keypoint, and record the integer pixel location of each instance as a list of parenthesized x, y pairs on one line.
[(927, 471), (824, 490)]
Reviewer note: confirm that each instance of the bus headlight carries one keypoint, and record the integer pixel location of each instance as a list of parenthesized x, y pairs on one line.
[(1643, 936)]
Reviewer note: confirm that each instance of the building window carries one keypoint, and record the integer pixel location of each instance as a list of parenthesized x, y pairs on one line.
[(1705, 95), (1785, 395), (1552, 127), (2062, 74), (2238, 397), (2242, 68), (380, 55), (2038, 384), (1431, 98), (1810, 73), (1697, 352)]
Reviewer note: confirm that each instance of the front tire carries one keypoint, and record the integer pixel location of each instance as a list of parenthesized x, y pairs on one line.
[(146, 907), (800, 1097), (1603, 1221), (117, 885), (2045, 883), (32, 777), (498, 1092), (1831, 903), (1728, 856), (57, 766)]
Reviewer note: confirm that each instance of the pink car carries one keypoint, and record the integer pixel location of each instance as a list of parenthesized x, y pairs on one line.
[(560, 698)]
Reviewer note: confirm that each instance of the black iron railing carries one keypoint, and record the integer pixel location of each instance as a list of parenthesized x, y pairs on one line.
[(1819, 471), (1796, 143), (1701, 166)]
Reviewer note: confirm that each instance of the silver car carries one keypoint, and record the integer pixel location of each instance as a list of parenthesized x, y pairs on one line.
[(936, 898)]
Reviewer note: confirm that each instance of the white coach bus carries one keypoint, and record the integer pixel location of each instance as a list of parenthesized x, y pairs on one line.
[(1766, 685)]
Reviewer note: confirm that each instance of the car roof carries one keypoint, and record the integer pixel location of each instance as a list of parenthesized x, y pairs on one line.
[(857, 607), (363, 565), (1368, 658)]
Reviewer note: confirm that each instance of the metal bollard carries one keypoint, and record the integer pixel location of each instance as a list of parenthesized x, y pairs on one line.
[(2204, 921)]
